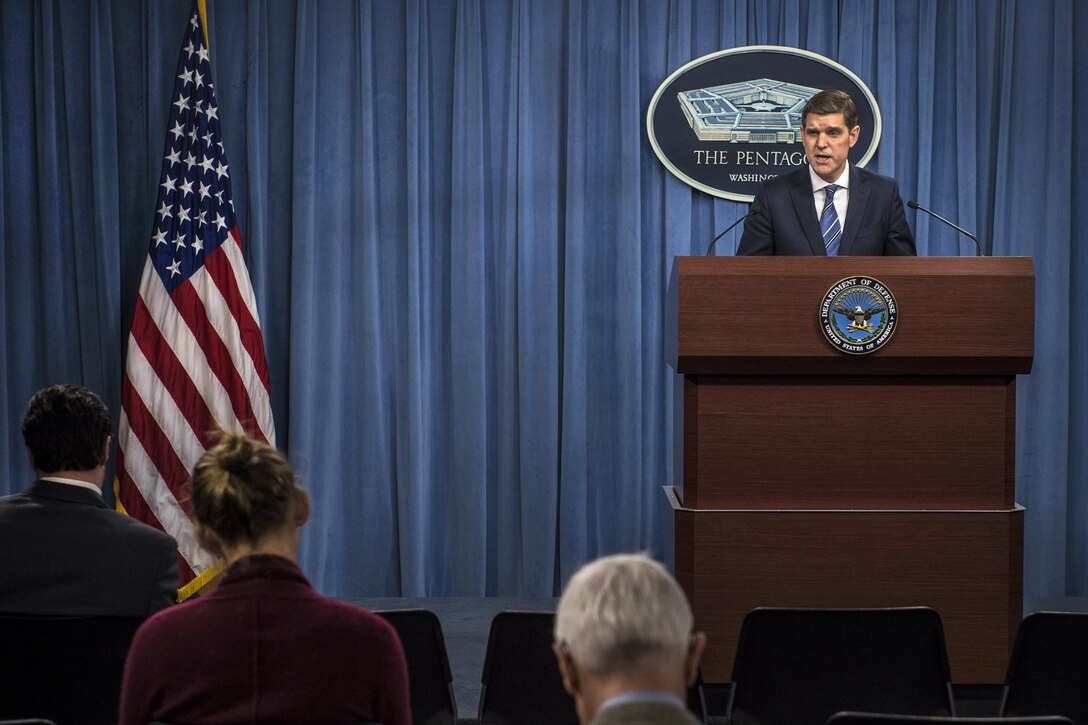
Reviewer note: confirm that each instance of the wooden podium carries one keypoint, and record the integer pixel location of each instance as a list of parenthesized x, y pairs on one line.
[(810, 477)]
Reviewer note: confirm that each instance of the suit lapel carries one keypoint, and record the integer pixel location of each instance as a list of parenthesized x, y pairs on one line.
[(855, 212), (804, 206)]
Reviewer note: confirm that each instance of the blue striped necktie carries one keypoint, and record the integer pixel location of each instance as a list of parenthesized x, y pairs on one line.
[(829, 222)]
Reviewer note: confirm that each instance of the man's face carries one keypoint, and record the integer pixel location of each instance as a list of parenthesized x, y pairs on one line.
[(827, 143)]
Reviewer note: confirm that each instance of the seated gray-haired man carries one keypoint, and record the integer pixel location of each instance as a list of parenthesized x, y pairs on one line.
[(624, 643)]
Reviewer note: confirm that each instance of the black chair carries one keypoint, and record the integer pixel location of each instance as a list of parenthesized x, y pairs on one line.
[(697, 697), (430, 682), (1048, 668), (871, 718), (64, 669), (521, 681), (801, 666)]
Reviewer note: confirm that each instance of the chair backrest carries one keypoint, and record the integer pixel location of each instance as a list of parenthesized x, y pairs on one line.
[(430, 682), (64, 669), (1048, 668), (872, 718), (521, 681), (696, 700), (800, 666)]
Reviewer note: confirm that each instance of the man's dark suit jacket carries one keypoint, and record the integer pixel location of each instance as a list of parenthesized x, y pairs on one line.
[(64, 552), (783, 218)]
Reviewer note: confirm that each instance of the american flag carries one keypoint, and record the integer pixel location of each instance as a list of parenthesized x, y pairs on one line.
[(195, 360)]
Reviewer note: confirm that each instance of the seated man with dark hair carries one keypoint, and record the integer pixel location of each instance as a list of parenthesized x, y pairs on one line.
[(63, 551), (624, 643)]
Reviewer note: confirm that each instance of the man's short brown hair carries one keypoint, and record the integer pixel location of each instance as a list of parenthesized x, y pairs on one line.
[(832, 101)]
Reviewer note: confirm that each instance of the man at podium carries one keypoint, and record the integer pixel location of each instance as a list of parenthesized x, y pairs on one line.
[(828, 207)]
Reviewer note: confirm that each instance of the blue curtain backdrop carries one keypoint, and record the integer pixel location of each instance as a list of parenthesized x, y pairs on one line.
[(460, 239)]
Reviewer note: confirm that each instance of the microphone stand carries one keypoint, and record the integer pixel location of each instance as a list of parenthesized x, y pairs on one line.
[(978, 247), (731, 227)]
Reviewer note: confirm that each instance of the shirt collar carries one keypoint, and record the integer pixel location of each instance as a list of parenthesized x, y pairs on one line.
[(624, 698), (818, 184), (73, 482)]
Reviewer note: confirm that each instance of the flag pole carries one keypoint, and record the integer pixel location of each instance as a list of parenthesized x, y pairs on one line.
[(202, 8)]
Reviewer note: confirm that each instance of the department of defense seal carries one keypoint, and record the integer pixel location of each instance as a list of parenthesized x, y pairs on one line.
[(858, 314)]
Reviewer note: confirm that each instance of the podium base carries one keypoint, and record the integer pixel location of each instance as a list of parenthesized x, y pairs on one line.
[(965, 564)]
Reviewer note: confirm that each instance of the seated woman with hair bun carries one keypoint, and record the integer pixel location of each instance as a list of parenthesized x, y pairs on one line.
[(264, 647)]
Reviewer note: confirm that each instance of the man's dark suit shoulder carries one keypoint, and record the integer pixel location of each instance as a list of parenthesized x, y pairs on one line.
[(783, 218), (63, 551)]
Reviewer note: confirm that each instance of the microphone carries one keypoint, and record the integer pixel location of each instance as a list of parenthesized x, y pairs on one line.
[(978, 248), (710, 247)]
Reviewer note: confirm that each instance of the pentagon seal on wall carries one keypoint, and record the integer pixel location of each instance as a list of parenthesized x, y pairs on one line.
[(726, 122), (858, 315)]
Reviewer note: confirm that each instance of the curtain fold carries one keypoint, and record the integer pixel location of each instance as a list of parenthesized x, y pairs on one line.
[(460, 242), (1034, 217), (1075, 478)]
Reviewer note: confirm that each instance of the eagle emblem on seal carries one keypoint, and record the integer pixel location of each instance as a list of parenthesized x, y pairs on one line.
[(860, 317)]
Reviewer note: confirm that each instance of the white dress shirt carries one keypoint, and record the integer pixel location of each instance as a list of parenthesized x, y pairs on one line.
[(842, 196)]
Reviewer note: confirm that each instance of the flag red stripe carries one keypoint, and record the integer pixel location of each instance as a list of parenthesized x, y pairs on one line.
[(130, 496), (157, 445), (137, 507), (223, 274), (191, 309), (171, 372)]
